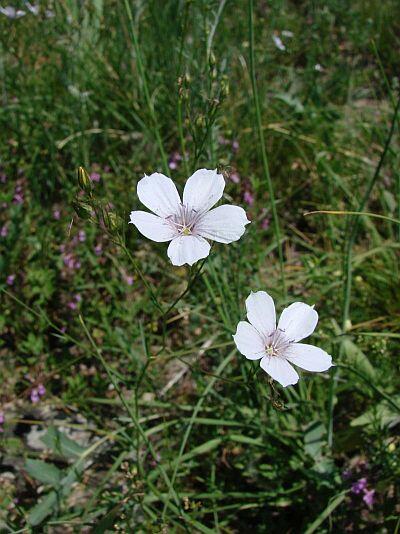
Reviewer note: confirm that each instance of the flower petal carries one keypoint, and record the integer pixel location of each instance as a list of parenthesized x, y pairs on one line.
[(280, 370), (261, 312), (298, 321), (248, 341), (203, 189), (309, 357), (223, 224), (158, 193), (188, 249), (152, 226)]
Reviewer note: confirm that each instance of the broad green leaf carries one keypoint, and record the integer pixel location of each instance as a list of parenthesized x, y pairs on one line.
[(62, 444), (43, 471), (44, 508)]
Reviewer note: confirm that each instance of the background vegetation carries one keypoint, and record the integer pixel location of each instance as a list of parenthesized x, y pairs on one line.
[(116, 416)]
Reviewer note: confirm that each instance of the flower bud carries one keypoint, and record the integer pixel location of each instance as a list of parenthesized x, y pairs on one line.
[(83, 180), (211, 60), (224, 89)]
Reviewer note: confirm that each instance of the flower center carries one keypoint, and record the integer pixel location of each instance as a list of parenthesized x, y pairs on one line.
[(270, 350), (277, 343), (184, 220)]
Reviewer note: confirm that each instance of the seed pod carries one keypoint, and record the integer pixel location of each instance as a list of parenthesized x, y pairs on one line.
[(83, 210)]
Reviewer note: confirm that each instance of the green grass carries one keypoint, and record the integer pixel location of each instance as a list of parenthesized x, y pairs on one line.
[(152, 421)]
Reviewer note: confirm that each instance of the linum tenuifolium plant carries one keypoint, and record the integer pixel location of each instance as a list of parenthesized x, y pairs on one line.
[(187, 225)]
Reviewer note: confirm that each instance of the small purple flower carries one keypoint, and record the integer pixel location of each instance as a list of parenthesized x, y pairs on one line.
[(35, 396), (173, 163), (57, 215), (4, 231), (82, 236), (359, 486), (235, 177), (369, 497), (41, 390), (2, 418), (129, 280), (10, 279), (235, 145), (265, 223), (18, 198), (98, 249), (73, 304), (248, 198), (95, 176), (71, 262), (3, 178)]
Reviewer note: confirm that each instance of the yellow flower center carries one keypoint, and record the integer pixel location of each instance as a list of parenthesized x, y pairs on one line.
[(270, 350), (186, 231)]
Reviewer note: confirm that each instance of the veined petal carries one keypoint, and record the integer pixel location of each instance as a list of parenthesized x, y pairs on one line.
[(203, 189), (298, 321), (224, 224), (308, 357), (249, 341), (158, 193), (188, 249), (152, 226), (280, 370), (261, 312)]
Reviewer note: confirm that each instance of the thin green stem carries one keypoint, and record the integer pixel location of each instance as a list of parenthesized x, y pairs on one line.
[(264, 156), (141, 276)]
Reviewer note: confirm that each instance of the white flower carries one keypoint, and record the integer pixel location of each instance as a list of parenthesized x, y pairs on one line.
[(278, 42), (33, 8), (11, 12), (189, 223), (278, 347)]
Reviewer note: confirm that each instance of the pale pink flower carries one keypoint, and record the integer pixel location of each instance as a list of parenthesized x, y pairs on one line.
[(189, 223), (277, 347)]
